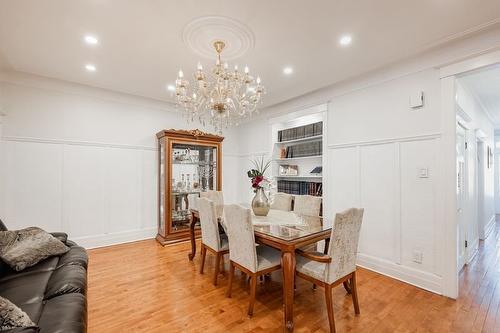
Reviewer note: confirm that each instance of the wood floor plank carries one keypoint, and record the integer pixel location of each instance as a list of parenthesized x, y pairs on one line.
[(144, 287)]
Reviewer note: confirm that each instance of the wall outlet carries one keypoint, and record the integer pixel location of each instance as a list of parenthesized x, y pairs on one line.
[(423, 173), (418, 256)]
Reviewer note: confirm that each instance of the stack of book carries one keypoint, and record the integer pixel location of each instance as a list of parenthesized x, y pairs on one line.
[(300, 132), (314, 148), (300, 188)]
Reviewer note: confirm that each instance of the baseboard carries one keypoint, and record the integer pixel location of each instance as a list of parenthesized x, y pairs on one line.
[(488, 228), (474, 250), (90, 242), (424, 280)]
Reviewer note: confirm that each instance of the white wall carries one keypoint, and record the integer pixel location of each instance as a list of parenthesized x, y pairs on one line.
[(377, 146), (480, 213), (83, 160)]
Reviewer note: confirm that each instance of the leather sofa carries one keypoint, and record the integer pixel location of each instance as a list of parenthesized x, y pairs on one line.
[(52, 293)]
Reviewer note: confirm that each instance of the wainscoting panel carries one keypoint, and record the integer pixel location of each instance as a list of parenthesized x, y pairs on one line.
[(31, 185), (418, 200), (384, 177), (378, 176), (85, 202)]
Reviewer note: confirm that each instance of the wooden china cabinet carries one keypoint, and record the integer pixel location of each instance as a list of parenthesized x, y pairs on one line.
[(189, 162)]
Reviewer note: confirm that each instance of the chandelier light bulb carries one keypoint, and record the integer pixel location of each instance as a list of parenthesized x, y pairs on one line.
[(181, 74), (258, 80), (194, 95), (200, 67), (247, 70), (226, 65), (235, 68)]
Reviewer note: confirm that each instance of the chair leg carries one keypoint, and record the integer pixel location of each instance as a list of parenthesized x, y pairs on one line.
[(329, 307), (203, 255), (253, 288), (231, 275), (354, 293), (222, 268), (217, 267), (347, 287)]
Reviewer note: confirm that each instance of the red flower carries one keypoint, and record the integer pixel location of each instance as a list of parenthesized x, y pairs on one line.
[(256, 181)]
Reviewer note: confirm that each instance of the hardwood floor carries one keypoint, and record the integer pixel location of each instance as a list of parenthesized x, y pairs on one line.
[(144, 287)]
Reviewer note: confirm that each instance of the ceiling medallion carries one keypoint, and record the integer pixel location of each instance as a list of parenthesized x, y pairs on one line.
[(199, 34), (220, 97)]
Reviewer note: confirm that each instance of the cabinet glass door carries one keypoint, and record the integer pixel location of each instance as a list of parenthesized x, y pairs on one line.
[(194, 170)]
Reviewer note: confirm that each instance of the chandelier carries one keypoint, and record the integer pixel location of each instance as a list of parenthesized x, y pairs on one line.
[(221, 97)]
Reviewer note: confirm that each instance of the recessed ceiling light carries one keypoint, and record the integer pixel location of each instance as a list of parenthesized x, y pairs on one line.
[(345, 40), (171, 87), (288, 70), (90, 68), (91, 40)]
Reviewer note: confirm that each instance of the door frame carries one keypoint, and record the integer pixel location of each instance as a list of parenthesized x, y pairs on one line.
[(447, 159)]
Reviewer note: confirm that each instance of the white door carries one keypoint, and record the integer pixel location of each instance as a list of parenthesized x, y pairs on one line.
[(461, 195)]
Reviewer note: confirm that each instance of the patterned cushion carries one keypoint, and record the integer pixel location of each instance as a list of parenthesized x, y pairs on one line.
[(12, 317), (26, 247)]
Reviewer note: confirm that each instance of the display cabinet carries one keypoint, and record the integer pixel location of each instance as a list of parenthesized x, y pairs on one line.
[(189, 162)]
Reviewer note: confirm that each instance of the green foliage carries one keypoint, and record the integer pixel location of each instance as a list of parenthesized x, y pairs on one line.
[(260, 167)]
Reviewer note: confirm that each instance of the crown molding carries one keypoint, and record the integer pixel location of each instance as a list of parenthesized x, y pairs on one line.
[(41, 82)]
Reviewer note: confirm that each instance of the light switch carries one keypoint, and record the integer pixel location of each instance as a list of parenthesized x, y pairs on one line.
[(423, 173), (417, 100)]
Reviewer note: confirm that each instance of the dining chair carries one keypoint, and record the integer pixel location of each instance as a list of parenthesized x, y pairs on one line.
[(282, 201), (307, 205), (217, 197), (211, 239), (339, 264), (253, 260)]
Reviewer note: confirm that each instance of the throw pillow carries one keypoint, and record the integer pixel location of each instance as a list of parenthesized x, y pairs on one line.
[(12, 317), (26, 247)]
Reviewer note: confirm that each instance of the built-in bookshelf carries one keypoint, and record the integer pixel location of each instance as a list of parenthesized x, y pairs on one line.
[(298, 155)]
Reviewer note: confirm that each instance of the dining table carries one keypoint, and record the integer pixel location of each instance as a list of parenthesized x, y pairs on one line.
[(286, 232)]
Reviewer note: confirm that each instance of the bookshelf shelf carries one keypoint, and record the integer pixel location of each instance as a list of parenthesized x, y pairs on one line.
[(310, 138), (298, 158), (300, 177), (298, 146)]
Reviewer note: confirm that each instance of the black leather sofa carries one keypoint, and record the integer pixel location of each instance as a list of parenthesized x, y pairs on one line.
[(52, 293)]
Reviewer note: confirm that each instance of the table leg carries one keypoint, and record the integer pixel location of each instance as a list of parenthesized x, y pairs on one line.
[(288, 267), (327, 245), (192, 237)]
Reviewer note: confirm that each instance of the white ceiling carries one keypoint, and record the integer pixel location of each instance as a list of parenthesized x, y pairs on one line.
[(485, 86), (141, 47)]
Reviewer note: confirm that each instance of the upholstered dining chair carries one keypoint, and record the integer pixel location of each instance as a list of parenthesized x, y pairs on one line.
[(307, 205), (243, 252), (339, 265), (211, 239), (282, 201), (218, 199)]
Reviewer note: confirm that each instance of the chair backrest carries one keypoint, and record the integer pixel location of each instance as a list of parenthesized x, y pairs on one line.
[(344, 244), (241, 236), (282, 201), (209, 224), (307, 205), (217, 197)]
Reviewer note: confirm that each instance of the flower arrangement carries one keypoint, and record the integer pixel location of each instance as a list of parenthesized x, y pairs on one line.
[(257, 174)]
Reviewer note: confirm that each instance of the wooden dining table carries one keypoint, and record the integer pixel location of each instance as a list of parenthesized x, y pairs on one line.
[(284, 231)]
